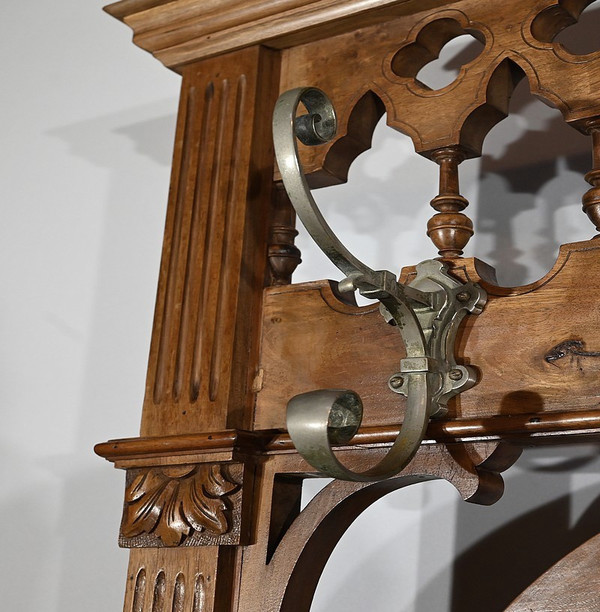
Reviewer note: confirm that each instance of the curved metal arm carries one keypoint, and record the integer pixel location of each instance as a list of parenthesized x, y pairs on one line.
[(318, 127), (427, 313)]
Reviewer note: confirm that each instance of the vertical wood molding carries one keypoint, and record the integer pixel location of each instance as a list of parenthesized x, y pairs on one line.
[(139, 591), (171, 580), (215, 249)]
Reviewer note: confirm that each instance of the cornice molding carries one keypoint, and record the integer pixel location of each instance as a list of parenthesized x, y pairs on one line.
[(178, 32)]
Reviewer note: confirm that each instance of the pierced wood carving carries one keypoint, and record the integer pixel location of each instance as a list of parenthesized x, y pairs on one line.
[(463, 112), (181, 505)]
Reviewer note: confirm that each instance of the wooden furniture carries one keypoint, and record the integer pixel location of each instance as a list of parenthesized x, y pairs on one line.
[(212, 501)]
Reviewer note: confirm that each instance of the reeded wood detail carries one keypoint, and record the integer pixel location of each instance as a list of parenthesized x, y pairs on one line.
[(449, 230), (215, 228), (591, 199), (179, 594), (182, 505), (139, 593), (160, 587), (208, 236), (199, 594), (176, 580), (212, 503)]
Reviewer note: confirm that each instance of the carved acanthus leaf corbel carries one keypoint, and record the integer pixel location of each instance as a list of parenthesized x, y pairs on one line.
[(177, 504)]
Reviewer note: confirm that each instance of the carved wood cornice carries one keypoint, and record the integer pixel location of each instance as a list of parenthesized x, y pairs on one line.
[(178, 32)]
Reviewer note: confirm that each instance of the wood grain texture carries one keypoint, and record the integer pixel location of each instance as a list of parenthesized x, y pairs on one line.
[(337, 350), (383, 60), (225, 358), (178, 32), (571, 584), (183, 505), (292, 571), (214, 254), (351, 347), (171, 580)]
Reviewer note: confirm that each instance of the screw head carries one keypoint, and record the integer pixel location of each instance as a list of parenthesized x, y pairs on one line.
[(455, 374), (463, 296), (396, 381)]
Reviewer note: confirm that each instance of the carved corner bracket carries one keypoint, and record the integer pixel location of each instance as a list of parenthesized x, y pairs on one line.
[(183, 505), (183, 490)]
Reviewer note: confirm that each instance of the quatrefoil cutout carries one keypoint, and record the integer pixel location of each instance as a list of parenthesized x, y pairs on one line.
[(409, 62), (558, 26)]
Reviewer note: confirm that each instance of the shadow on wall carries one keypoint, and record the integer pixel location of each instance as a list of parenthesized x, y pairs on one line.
[(135, 148), (525, 196), (498, 550), (532, 173), (493, 570)]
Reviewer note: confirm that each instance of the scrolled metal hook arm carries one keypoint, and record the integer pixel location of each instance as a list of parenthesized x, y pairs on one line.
[(321, 419)]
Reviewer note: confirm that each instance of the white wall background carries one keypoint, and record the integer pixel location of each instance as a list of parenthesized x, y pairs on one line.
[(87, 125)]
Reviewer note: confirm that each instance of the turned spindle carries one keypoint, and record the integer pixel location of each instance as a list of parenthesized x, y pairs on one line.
[(449, 229), (284, 256), (591, 198)]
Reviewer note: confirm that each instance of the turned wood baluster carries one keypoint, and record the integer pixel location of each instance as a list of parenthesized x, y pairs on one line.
[(284, 256), (591, 198), (449, 229)]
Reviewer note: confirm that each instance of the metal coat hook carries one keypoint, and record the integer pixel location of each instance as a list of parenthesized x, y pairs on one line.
[(427, 313)]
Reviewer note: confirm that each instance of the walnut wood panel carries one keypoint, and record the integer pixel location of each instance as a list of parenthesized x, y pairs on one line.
[(214, 254), (515, 343), (312, 340), (384, 59), (571, 584)]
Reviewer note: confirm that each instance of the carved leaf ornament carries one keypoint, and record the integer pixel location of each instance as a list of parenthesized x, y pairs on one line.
[(172, 503)]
